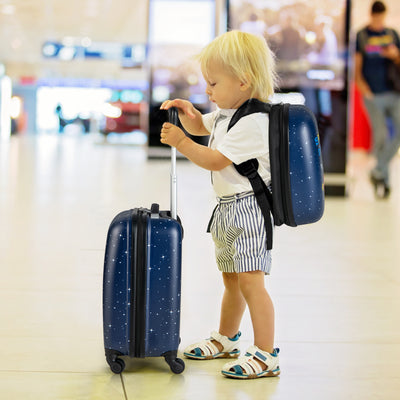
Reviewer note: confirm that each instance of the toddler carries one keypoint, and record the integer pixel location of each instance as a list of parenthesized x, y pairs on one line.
[(237, 66)]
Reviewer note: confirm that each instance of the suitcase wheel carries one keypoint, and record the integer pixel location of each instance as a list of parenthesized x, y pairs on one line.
[(116, 364), (176, 365)]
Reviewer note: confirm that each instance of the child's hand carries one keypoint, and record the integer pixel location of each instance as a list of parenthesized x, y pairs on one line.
[(183, 106), (171, 135)]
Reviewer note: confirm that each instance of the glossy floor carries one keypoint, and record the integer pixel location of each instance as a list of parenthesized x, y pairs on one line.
[(335, 284)]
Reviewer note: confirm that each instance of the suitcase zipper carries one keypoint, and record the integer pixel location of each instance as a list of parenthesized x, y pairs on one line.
[(139, 259)]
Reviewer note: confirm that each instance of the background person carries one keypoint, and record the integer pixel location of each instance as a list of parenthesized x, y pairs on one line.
[(377, 51)]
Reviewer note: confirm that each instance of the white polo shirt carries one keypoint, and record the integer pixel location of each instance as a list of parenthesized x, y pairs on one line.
[(247, 139)]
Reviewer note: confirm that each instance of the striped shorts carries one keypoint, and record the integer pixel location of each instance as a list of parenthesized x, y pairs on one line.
[(238, 230)]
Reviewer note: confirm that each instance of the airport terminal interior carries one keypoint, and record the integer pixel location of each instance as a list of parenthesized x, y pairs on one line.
[(80, 89)]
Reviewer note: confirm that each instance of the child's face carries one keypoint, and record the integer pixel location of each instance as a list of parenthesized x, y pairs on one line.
[(225, 89)]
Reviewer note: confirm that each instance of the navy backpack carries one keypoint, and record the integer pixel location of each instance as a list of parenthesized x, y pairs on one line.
[(297, 178)]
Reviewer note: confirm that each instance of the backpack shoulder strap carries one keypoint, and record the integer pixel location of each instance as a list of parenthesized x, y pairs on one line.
[(249, 168), (250, 106)]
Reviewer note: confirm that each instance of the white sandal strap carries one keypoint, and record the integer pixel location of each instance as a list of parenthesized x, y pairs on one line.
[(228, 344), (263, 356), (249, 364), (210, 349), (206, 346), (255, 352)]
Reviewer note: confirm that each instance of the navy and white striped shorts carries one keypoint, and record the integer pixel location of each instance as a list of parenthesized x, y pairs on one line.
[(239, 235)]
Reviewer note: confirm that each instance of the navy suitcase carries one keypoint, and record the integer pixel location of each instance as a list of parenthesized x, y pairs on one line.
[(142, 283)]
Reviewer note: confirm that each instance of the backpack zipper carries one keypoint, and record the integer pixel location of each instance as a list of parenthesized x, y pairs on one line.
[(284, 161), (283, 156)]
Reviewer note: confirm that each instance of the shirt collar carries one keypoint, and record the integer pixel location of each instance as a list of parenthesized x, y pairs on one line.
[(226, 112)]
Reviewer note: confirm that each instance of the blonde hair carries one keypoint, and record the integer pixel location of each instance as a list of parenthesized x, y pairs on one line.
[(247, 57)]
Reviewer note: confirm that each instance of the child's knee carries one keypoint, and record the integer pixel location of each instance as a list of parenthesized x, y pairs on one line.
[(231, 280)]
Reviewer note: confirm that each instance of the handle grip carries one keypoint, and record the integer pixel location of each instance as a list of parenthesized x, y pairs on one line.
[(173, 118)]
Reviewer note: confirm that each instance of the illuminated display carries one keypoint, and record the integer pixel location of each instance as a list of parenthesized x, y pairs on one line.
[(129, 55)]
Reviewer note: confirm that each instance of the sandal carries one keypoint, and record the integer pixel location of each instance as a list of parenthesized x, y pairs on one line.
[(248, 368), (207, 350)]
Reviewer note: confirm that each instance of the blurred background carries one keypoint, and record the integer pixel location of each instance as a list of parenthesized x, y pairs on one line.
[(102, 67), (81, 82)]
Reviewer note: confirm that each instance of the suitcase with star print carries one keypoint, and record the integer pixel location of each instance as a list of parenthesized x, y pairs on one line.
[(142, 283)]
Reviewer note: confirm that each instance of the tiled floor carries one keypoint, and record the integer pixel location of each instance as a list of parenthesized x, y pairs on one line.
[(335, 284)]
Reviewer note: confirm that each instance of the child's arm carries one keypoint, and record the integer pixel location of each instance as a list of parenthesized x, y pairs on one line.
[(203, 156), (190, 117)]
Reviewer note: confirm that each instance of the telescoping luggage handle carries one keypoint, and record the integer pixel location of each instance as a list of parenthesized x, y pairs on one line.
[(173, 119)]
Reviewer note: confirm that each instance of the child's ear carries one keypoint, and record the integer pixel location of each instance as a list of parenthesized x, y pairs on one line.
[(245, 82)]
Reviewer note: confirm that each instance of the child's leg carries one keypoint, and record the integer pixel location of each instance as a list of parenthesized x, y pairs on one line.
[(261, 360), (261, 308), (232, 307)]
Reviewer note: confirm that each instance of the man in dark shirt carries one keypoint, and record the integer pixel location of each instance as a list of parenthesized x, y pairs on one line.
[(377, 49)]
